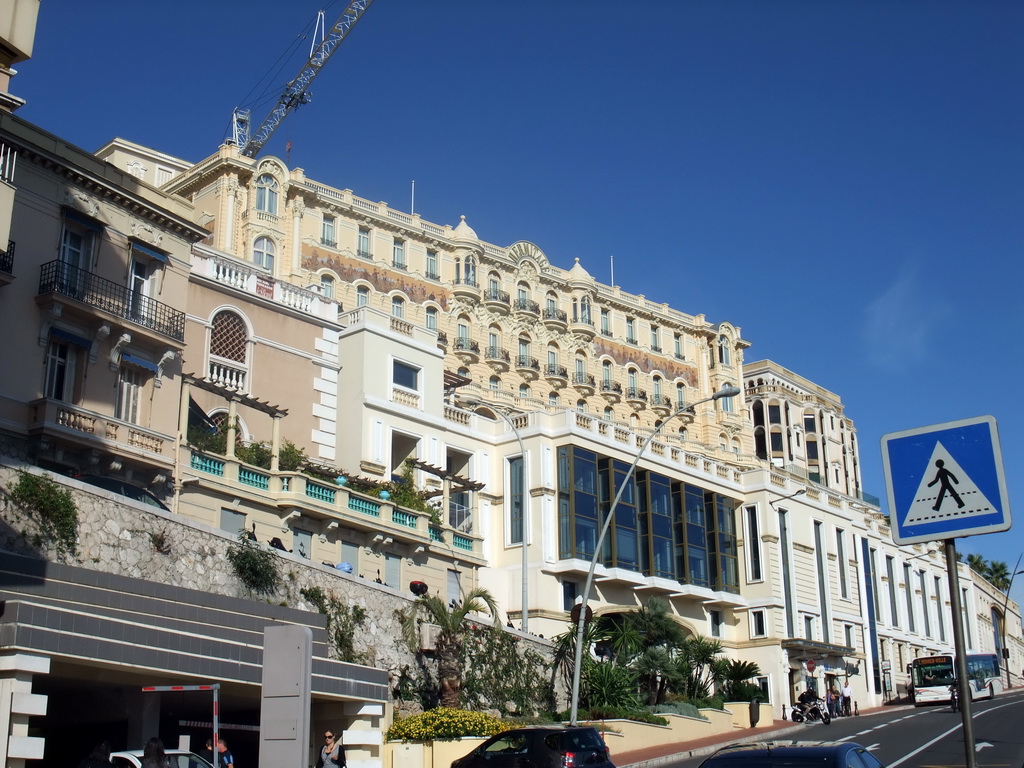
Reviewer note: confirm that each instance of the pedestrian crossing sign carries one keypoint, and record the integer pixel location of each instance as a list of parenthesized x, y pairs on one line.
[(945, 481)]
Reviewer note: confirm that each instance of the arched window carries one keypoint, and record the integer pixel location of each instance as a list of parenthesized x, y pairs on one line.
[(609, 413), (397, 307), (327, 286), (432, 318), (263, 251), (657, 389), (266, 193), (494, 383), (553, 399), (723, 349), (682, 433), (463, 371), (581, 406), (229, 351), (585, 310), (524, 390), (727, 402), (680, 395), (606, 371), (362, 296), (471, 270)]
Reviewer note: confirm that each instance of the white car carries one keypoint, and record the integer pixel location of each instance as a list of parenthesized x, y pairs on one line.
[(176, 758)]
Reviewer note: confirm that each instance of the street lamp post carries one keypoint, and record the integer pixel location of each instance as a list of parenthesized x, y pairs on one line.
[(726, 391), (1006, 604), (525, 502)]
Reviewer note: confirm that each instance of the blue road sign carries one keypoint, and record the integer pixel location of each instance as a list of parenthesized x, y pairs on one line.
[(945, 481)]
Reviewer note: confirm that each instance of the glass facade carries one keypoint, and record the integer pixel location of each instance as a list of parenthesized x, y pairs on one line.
[(662, 527)]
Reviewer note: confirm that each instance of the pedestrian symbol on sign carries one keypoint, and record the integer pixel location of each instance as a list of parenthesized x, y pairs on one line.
[(936, 493)]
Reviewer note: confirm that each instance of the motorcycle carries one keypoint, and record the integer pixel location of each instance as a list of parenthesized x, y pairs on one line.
[(816, 711)]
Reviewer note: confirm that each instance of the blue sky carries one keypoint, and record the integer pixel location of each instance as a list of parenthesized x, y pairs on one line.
[(844, 180)]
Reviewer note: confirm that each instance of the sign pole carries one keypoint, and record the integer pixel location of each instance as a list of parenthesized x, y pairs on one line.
[(963, 685)]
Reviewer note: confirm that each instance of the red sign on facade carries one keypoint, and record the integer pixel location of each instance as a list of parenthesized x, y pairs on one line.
[(264, 287)]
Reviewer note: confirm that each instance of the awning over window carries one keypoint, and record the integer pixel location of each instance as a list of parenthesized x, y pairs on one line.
[(80, 218), (147, 251), (60, 333), (138, 362)]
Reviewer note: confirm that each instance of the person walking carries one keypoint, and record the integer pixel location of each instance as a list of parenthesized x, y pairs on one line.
[(332, 753), (847, 698)]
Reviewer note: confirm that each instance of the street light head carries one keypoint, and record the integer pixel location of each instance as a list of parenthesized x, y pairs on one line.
[(729, 390)]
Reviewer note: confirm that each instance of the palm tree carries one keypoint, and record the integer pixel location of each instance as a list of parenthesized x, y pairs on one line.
[(736, 679), (978, 564), (451, 621), (700, 666), (999, 575)]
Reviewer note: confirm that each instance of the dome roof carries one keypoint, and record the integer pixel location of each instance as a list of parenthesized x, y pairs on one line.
[(578, 272), (463, 231)]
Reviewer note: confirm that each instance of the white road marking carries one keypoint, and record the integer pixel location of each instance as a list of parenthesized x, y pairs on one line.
[(941, 736)]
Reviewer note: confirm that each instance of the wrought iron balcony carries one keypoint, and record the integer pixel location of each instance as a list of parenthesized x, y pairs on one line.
[(581, 379), (555, 315), (330, 242), (556, 371), (469, 282), (527, 305), (526, 362), (635, 393), (498, 355), (364, 254), (499, 297), (108, 296), (463, 344)]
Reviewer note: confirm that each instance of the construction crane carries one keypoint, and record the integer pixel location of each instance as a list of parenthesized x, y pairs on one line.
[(296, 92)]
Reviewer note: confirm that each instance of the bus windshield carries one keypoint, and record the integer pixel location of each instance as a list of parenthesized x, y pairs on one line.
[(932, 671)]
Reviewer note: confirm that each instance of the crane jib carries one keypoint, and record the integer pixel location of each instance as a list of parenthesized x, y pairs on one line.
[(296, 93)]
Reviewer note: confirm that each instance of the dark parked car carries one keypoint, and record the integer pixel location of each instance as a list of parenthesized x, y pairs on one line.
[(793, 754), (540, 747), (123, 488)]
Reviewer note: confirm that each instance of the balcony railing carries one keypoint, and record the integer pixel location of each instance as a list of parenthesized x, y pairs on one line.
[(611, 386), (362, 253), (7, 259), (583, 379), (107, 433), (467, 281), (635, 393), (497, 353), (556, 371), (525, 361), (60, 277), (527, 305), (463, 344), (496, 296), (330, 242), (557, 315)]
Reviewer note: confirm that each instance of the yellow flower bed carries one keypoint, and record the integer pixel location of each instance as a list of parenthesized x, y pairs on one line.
[(445, 723)]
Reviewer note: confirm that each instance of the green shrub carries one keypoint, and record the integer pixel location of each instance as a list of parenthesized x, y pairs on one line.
[(208, 440), (51, 507), (618, 713), (257, 454), (676, 708), (290, 457), (254, 566), (445, 723)]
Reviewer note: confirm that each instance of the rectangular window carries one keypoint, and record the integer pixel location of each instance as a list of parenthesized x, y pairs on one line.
[(232, 521), (630, 330), (405, 375), (363, 244), (516, 496), (679, 346), (844, 585), (967, 617), (129, 394), (848, 635), (327, 236), (763, 683), (758, 626), (925, 613), (821, 561), (655, 338), (606, 323), (432, 273), (60, 370), (808, 627), (908, 593), (938, 609), (876, 592), (454, 585), (715, 620), (890, 572), (398, 255), (569, 590), (350, 555), (787, 572), (392, 570), (754, 570)]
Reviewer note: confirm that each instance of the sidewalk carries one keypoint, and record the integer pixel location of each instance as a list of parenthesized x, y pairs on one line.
[(651, 757)]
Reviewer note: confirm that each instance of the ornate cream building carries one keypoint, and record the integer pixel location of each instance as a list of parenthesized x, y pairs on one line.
[(146, 298)]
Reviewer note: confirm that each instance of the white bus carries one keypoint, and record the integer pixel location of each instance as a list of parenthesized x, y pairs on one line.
[(931, 677)]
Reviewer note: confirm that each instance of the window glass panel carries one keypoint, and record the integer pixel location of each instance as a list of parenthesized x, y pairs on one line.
[(405, 375)]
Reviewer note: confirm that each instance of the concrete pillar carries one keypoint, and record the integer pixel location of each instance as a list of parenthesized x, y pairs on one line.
[(17, 703)]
